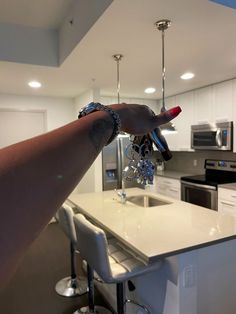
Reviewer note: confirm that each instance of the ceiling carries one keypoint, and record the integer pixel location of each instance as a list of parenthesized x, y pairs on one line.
[(201, 39)]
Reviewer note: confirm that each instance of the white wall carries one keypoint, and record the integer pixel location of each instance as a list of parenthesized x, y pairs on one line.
[(60, 111), (92, 181)]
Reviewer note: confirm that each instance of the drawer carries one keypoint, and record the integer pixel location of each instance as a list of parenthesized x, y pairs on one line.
[(173, 192), (227, 194), (227, 207), (168, 186), (167, 181)]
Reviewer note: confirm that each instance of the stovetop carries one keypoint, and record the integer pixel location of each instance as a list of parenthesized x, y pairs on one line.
[(208, 180), (216, 172)]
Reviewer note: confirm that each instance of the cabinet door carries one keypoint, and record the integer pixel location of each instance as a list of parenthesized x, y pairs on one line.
[(160, 186), (227, 207), (203, 100), (168, 187), (227, 194), (223, 101), (184, 121), (172, 188), (174, 192)]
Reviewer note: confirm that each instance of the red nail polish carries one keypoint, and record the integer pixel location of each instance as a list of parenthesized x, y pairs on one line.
[(174, 111)]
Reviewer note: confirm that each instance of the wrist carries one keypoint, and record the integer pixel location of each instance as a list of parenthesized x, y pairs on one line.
[(122, 112), (114, 116)]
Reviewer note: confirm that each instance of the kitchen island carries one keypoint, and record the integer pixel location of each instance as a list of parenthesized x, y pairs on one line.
[(197, 244)]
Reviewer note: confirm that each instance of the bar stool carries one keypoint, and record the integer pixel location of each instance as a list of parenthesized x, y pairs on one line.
[(112, 264), (70, 286)]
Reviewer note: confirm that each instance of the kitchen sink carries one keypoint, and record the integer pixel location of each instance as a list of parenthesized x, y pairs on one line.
[(146, 201)]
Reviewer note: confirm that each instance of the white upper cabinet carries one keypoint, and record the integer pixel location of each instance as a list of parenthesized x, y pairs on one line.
[(203, 104), (181, 141), (184, 120), (223, 101)]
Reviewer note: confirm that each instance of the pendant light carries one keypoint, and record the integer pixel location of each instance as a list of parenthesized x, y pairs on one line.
[(163, 25)]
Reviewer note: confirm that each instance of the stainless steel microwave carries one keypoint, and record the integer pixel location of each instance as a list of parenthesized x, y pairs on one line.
[(212, 136)]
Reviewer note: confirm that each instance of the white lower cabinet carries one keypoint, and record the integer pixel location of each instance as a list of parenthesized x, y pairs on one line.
[(167, 186), (227, 201)]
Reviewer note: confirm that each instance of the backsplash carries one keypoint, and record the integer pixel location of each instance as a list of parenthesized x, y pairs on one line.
[(193, 162)]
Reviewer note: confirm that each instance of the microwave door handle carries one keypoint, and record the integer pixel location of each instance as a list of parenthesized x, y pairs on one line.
[(218, 138)]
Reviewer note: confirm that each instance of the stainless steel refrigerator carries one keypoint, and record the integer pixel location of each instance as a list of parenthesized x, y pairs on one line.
[(114, 161)]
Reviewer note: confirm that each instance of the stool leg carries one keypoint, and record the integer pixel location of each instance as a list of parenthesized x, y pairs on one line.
[(90, 288), (71, 286), (138, 305), (72, 260), (91, 308), (120, 297)]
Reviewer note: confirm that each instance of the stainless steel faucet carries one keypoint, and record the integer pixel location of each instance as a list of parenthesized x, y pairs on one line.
[(122, 193)]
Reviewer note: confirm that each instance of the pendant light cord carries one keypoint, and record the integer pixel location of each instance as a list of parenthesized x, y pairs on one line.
[(163, 108), (118, 80), (117, 58), (162, 25)]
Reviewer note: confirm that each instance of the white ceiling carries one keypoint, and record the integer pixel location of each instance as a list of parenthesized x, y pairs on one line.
[(201, 39)]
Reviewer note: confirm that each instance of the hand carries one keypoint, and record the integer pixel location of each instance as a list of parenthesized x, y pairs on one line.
[(140, 120)]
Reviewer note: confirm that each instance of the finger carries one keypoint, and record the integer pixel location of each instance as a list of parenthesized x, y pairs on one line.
[(166, 116)]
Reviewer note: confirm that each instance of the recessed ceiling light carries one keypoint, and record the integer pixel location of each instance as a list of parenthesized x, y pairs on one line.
[(150, 90), (187, 76), (35, 84)]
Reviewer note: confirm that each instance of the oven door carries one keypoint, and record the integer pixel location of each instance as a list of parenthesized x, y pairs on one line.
[(199, 194)]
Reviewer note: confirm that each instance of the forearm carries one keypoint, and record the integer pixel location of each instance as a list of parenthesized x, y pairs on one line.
[(37, 175)]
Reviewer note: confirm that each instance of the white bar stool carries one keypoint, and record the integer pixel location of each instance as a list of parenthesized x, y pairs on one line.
[(70, 286), (112, 263)]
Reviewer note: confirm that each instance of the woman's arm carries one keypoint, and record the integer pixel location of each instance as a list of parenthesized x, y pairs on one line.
[(38, 174)]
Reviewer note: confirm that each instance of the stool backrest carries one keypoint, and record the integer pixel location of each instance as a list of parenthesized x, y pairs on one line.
[(65, 219), (93, 246)]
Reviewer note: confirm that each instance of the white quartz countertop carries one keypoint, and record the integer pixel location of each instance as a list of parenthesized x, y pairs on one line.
[(159, 231), (230, 186), (172, 174)]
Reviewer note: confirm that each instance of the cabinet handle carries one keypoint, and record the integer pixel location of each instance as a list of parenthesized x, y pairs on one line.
[(234, 196), (226, 203), (167, 182)]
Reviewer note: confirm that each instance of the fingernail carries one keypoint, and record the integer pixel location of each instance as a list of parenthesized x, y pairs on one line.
[(174, 111)]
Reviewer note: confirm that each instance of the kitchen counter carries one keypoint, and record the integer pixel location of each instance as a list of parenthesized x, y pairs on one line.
[(196, 276), (157, 231), (172, 174), (230, 186)]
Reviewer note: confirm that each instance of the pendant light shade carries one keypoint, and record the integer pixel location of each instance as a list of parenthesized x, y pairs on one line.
[(163, 25)]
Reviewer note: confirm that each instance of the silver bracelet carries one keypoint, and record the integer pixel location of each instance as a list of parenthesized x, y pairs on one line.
[(92, 107)]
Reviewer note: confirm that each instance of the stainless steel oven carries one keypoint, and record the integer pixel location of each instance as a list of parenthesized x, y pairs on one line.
[(214, 136), (199, 194), (202, 189)]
